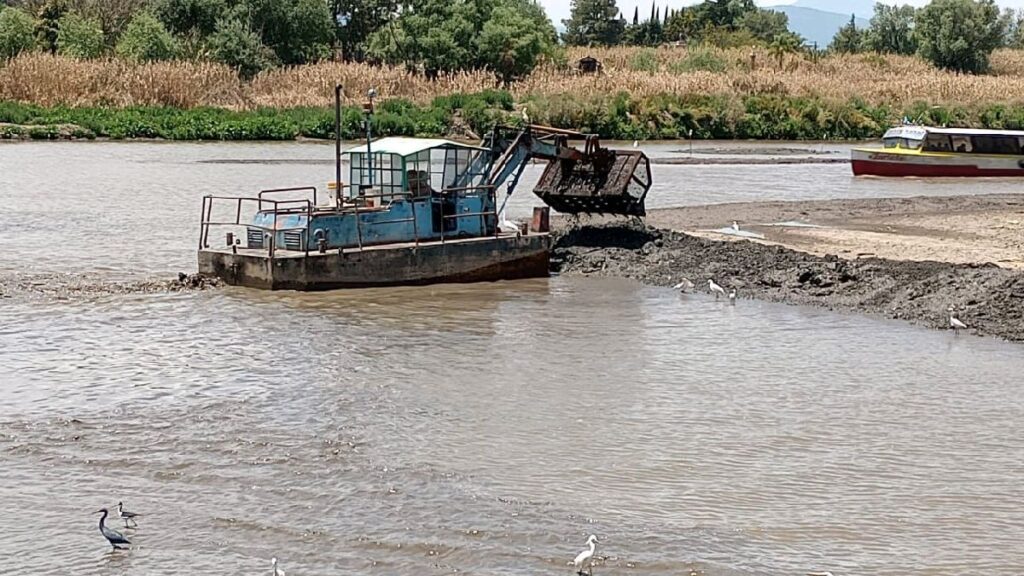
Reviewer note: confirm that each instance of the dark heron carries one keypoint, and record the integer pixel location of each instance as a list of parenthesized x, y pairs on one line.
[(112, 536), (126, 515)]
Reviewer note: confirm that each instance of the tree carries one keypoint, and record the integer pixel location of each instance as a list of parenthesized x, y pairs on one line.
[(146, 39), (191, 17), (683, 26), (47, 24), (357, 20), (1014, 35), (513, 39), (849, 39), (764, 25), (783, 44), (17, 32), (593, 22), (959, 35), (891, 30), (79, 37), (299, 31), (507, 37), (234, 43)]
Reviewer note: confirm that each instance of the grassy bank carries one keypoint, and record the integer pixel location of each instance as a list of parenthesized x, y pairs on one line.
[(643, 93), (620, 116)]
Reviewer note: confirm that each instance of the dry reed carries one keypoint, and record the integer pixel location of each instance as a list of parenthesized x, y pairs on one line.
[(894, 80)]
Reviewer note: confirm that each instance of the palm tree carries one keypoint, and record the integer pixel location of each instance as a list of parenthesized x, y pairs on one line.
[(787, 43)]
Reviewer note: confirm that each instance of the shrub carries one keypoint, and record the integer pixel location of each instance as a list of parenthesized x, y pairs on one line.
[(236, 45), (79, 37), (645, 60), (146, 39), (699, 60), (17, 32)]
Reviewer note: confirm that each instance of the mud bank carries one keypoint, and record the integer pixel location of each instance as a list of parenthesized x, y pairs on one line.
[(988, 298), (71, 286)]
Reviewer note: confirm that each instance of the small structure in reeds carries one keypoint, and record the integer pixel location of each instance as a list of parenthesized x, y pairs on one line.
[(589, 65)]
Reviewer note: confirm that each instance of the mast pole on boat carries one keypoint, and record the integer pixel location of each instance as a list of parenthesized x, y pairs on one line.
[(337, 144)]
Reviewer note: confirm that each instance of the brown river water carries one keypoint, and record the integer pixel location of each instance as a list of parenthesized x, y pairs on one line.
[(475, 429)]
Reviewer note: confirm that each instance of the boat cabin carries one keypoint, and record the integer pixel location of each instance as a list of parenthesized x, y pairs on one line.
[(957, 140), (398, 190)]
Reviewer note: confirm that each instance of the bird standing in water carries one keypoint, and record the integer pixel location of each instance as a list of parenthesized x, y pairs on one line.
[(126, 515), (585, 559), (735, 226), (277, 571), (955, 322), (715, 289), (684, 285), (732, 297), (112, 536)]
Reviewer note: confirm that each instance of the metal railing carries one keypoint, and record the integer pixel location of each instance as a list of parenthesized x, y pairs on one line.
[(281, 208), (344, 208)]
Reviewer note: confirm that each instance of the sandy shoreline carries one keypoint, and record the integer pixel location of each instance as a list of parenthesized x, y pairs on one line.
[(907, 258)]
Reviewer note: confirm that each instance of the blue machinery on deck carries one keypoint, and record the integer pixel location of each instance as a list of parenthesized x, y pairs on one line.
[(408, 191)]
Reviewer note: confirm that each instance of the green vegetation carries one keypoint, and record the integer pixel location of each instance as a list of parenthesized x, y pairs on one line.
[(664, 116), (959, 34), (17, 32), (507, 37), (79, 37), (146, 40)]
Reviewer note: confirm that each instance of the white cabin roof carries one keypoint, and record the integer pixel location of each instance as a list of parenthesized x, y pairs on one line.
[(410, 146), (919, 132)]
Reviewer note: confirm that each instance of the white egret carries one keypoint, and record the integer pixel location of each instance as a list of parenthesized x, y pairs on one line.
[(684, 285), (526, 116), (955, 322), (586, 558), (715, 289), (732, 297), (277, 571), (735, 226), (636, 143)]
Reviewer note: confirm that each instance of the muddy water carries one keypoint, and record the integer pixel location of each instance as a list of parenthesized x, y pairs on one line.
[(472, 428)]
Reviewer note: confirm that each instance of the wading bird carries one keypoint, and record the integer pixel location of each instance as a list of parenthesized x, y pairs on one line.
[(112, 536), (636, 143), (526, 116), (715, 289), (277, 571), (732, 297), (735, 226), (684, 285), (126, 515), (955, 322), (586, 558)]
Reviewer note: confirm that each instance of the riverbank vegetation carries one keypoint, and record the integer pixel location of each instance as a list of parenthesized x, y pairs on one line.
[(198, 69)]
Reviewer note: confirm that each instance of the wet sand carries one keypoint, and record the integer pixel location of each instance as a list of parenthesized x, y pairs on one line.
[(907, 259)]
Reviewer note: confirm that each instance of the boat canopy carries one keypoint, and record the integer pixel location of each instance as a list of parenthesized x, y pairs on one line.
[(919, 132), (395, 166), (400, 146)]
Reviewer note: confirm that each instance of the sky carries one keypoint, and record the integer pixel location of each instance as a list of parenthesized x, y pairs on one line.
[(558, 10)]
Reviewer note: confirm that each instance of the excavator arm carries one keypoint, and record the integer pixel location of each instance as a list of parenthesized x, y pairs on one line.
[(594, 180)]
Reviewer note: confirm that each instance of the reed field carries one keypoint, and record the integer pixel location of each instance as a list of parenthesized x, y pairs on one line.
[(642, 92)]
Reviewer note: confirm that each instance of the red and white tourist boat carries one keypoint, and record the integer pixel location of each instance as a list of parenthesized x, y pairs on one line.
[(929, 152)]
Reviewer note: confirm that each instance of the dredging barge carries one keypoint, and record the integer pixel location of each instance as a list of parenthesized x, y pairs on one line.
[(417, 211)]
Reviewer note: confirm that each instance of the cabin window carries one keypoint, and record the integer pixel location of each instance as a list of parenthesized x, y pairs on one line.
[(910, 143), (996, 145), (387, 173), (962, 144), (938, 143), (891, 142)]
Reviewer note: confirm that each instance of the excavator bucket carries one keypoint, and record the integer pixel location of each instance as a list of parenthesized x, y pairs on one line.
[(604, 181)]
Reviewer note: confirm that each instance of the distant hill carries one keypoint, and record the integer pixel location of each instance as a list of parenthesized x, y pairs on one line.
[(862, 8), (819, 25)]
